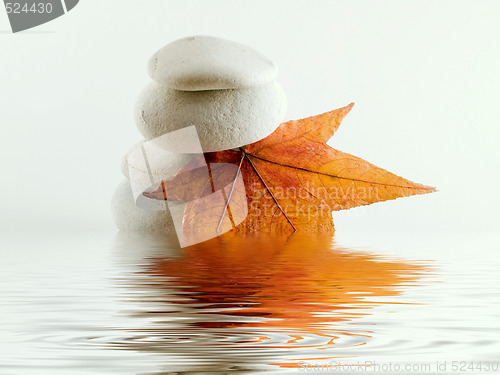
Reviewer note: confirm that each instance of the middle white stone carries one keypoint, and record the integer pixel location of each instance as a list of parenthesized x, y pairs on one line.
[(224, 119)]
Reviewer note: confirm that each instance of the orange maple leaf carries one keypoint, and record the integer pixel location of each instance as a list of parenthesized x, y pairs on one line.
[(292, 180)]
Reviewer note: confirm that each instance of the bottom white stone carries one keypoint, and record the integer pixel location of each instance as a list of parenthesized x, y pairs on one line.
[(130, 218)]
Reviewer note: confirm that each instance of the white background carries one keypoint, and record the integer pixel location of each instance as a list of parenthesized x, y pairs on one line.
[(424, 76)]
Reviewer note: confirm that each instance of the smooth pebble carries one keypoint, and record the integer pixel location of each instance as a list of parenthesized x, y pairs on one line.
[(208, 63), (161, 163), (130, 218), (224, 119)]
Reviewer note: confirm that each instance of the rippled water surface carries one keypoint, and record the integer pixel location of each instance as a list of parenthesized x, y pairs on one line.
[(88, 303)]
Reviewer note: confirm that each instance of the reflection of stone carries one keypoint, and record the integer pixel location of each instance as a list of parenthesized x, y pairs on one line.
[(244, 301), (135, 248)]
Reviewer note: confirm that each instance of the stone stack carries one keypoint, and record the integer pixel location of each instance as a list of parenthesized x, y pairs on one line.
[(226, 90)]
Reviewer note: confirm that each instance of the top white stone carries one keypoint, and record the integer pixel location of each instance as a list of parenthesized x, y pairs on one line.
[(201, 62)]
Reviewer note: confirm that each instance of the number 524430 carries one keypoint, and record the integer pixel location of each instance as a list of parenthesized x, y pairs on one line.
[(18, 8)]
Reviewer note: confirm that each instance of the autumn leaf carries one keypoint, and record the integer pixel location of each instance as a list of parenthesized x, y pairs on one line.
[(291, 180)]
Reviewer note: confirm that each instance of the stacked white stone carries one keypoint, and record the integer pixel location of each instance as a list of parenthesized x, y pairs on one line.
[(225, 89)]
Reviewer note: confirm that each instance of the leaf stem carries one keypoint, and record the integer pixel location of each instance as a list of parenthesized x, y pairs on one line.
[(270, 192), (230, 193)]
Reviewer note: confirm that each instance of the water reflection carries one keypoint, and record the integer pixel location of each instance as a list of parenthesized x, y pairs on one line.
[(252, 302)]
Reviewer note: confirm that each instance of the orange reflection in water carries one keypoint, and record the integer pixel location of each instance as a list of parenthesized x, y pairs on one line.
[(302, 286), (248, 300)]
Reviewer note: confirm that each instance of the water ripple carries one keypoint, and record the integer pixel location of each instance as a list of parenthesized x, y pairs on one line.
[(261, 297), (241, 304)]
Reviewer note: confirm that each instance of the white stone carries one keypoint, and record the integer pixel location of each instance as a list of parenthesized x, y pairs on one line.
[(124, 162), (130, 218), (224, 119), (161, 163), (208, 63), (124, 167)]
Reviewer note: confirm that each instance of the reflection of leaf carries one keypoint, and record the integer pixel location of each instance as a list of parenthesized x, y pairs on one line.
[(292, 180), (272, 277), (243, 301)]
